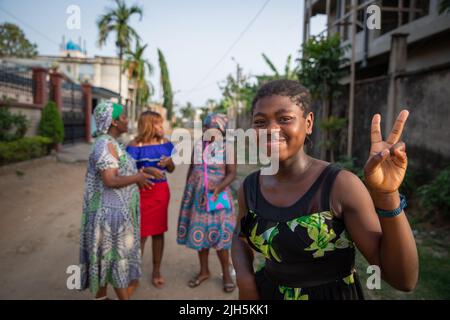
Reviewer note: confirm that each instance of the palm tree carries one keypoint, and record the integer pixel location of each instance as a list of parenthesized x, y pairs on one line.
[(289, 73), (117, 20), (137, 65), (166, 86)]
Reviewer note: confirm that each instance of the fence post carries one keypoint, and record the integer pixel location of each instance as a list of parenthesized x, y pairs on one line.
[(87, 98), (40, 95), (56, 83)]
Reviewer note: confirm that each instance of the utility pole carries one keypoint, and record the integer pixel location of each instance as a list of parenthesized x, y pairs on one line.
[(238, 82), (234, 113), (351, 104)]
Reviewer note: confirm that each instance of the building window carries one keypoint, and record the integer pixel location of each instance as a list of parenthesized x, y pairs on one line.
[(396, 13)]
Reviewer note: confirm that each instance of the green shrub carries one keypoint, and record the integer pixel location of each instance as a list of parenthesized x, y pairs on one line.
[(12, 126), (409, 184), (51, 124), (24, 149), (436, 195)]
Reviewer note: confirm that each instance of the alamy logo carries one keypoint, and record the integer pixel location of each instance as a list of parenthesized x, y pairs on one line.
[(374, 280), (74, 279), (73, 22), (374, 17)]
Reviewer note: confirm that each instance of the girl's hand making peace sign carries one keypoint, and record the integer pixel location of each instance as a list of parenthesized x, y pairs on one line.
[(386, 167)]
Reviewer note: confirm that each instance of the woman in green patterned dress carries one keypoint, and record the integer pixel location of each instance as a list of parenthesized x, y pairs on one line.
[(110, 227)]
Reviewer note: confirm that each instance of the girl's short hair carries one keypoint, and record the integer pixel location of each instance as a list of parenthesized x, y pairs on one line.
[(146, 125), (286, 88)]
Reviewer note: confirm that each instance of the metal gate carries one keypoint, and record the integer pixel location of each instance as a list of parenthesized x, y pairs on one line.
[(73, 112)]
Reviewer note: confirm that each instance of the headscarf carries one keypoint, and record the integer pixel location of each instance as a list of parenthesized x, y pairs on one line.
[(216, 121), (104, 113)]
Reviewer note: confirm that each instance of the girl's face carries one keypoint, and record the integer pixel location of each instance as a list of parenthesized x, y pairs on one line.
[(159, 129), (279, 114)]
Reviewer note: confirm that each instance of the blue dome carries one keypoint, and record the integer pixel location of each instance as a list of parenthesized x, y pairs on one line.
[(72, 46)]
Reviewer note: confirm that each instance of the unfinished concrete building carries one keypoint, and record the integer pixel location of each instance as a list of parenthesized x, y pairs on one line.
[(404, 63)]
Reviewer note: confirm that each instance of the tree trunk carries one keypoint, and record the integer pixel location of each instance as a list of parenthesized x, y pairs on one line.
[(120, 74)]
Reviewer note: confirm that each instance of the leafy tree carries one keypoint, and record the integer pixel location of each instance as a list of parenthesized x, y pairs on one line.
[(166, 86), (320, 69), (188, 112), (289, 72), (13, 42), (117, 20), (332, 125), (237, 91), (137, 67)]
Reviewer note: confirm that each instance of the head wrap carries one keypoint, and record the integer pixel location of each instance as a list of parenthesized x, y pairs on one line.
[(216, 121), (104, 113)]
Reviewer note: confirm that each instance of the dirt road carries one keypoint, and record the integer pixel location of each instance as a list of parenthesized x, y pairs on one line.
[(39, 234)]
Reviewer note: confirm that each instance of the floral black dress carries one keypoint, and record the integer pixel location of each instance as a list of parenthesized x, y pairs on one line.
[(308, 253)]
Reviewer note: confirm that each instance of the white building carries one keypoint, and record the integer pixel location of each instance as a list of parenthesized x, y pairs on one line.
[(98, 70)]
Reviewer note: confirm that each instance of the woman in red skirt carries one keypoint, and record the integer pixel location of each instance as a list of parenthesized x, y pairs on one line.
[(151, 150)]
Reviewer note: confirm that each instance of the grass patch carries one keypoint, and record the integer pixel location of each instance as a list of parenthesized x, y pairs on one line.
[(434, 273)]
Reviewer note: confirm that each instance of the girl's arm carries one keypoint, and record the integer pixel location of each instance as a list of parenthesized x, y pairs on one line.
[(242, 256), (230, 175), (166, 162), (384, 242)]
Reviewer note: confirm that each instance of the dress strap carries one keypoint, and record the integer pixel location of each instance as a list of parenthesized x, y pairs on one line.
[(333, 171)]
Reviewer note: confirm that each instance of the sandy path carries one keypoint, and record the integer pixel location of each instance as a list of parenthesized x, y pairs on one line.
[(39, 234)]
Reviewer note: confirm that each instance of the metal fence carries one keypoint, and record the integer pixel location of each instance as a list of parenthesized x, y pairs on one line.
[(16, 83)]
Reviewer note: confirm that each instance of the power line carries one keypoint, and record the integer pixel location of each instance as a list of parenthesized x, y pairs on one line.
[(29, 26), (229, 49)]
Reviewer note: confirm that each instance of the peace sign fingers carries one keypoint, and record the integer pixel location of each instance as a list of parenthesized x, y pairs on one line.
[(375, 132), (397, 130)]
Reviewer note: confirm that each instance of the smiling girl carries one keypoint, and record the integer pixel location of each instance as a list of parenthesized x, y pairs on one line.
[(309, 217)]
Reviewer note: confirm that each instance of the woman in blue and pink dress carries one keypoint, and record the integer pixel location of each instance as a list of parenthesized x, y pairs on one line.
[(152, 151), (199, 227)]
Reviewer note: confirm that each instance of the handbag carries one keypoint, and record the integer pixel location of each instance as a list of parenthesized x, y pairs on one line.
[(222, 201)]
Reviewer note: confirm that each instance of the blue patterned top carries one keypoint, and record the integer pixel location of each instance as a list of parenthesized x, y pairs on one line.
[(149, 156)]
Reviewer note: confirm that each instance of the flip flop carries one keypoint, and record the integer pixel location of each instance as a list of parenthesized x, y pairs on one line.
[(229, 287), (195, 282)]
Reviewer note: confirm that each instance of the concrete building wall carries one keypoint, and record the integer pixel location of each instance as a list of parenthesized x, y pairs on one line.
[(427, 133), (427, 96), (33, 116), (432, 52)]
